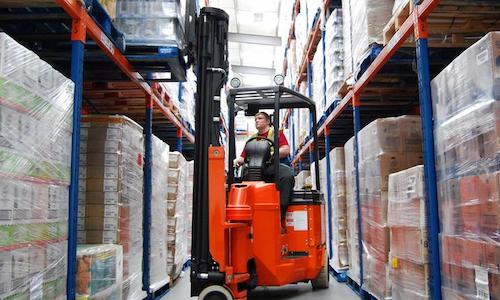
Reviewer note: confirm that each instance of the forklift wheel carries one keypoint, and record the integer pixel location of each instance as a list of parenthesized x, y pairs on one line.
[(215, 292), (322, 281)]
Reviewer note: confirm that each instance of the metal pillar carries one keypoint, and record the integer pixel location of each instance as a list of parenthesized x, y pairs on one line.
[(309, 93), (178, 146), (432, 211), (329, 189), (77, 53), (148, 185), (357, 127)]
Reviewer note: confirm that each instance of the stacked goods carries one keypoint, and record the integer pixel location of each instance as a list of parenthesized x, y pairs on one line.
[(339, 259), (313, 7), (317, 83), (187, 100), (189, 205), (406, 218), (158, 233), (352, 212), (155, 22), (334, 55), (99, 272), (466, 98), (110, 191), (300, 179), (35, 149), (385, 146), (292, 62), (110, 7), (177, 214), (364, 21)]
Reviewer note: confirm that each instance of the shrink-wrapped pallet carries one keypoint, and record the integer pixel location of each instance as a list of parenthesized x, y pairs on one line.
[(334, 55), (36, 107)]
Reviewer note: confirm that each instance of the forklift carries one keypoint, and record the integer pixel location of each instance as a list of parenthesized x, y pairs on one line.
[(238, 242)]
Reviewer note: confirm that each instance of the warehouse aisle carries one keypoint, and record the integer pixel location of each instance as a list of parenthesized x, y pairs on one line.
[(300, 291)]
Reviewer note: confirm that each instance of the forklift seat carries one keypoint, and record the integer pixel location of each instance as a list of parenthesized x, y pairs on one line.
[(258, 157)]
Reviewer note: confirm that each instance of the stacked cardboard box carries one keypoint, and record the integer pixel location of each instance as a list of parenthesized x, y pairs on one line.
[(99, 272), (406, 217), (158, 234), (364, 21), (35, 149), (385, 146), (352, 212), (189, 205), (466, 103), (300, 179), (317, 84), (334, 55), (177, 214), (110, 191), (340, 258)]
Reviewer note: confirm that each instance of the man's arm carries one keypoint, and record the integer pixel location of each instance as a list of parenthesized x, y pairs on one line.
[(284, 151)]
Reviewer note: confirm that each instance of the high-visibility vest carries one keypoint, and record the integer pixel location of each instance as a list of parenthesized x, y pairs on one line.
[(270, 134)]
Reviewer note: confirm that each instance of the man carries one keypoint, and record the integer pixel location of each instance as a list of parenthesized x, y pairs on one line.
[(286, 179)]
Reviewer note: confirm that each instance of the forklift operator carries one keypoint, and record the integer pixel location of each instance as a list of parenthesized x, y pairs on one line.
[(286, 179)]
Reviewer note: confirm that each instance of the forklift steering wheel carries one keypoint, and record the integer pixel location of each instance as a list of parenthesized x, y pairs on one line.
[(262, 138)]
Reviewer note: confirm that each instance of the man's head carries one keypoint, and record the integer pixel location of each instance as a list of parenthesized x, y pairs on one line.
[(262, 121)]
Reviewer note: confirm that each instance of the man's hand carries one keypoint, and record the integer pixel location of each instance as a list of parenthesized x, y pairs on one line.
[(238, 162)]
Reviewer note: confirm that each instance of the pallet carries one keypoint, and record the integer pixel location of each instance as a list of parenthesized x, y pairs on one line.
[(363, 294), (346, 86), (454, 23), (154, 59), (339, 275)]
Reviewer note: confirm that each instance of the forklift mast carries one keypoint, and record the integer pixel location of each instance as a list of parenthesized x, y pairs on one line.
[(212, 71)]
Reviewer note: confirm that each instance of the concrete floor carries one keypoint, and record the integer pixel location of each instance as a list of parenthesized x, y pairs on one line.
[(301, 291)]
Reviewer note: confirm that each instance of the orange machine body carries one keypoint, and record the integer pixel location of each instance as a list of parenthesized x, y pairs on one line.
[(246, 227)]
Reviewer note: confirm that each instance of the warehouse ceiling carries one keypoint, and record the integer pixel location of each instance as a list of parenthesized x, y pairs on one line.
[(258, 31)]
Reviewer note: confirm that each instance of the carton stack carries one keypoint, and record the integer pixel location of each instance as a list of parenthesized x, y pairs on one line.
[(158, 234), (189, 205), (300, 179), (364, 21), (35, 150), (177, 214), (407, 221), (99, 272), (110, 191), (334, 55), (385, 146), (466, 107), (318, 75), (352, 212), (339, 259)]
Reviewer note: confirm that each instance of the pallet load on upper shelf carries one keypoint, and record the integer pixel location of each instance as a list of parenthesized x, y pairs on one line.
[(152, 23), (110, 191), (340, 258), (385, 146), (36, 107), (317, 78), (158, 235), (406, 217), (99, 272), (301, 35), (177, 210), (352, 212), (334, 56), (363, 24), (110, 7), (182, 96), (466, 104), (313, 7), (452, 23)]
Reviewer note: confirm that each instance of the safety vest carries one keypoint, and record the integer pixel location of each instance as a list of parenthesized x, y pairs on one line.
[(270, 134)]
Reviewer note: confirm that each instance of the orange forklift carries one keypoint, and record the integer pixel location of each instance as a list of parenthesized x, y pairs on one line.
[(238, 242)]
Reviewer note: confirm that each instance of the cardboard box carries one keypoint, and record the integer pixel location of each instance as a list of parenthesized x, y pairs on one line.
[(409, 243), (409, 277)]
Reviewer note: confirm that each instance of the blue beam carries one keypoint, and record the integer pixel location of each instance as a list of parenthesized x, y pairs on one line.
[(77, 54), (424, 86), (146, 217)]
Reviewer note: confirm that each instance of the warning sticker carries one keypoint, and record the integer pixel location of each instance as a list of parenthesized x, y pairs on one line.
[(297, 220)]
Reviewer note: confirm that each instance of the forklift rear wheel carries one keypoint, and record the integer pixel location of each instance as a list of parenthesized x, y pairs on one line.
[(215, 292), (322, 281)]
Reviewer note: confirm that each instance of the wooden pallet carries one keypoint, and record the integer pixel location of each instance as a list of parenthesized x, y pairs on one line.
[(457, 23), (346, 86)]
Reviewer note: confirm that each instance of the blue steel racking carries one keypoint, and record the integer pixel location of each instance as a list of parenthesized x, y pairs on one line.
[(416, 23), (88, 20)]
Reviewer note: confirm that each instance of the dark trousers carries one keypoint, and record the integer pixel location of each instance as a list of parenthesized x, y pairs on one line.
[(285, 185)]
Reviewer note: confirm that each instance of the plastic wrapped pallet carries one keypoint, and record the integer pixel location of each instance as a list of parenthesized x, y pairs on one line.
[(317, 83), (110, 191), (301, 35), (340, 258), (158, 234), (386, 146), (189, 204), (151, 22), (466, 107), (334, 55), (99, 272), (177, 210), (300, 179), (406, 217), (352, 212), (35, 149), (364, 21)]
